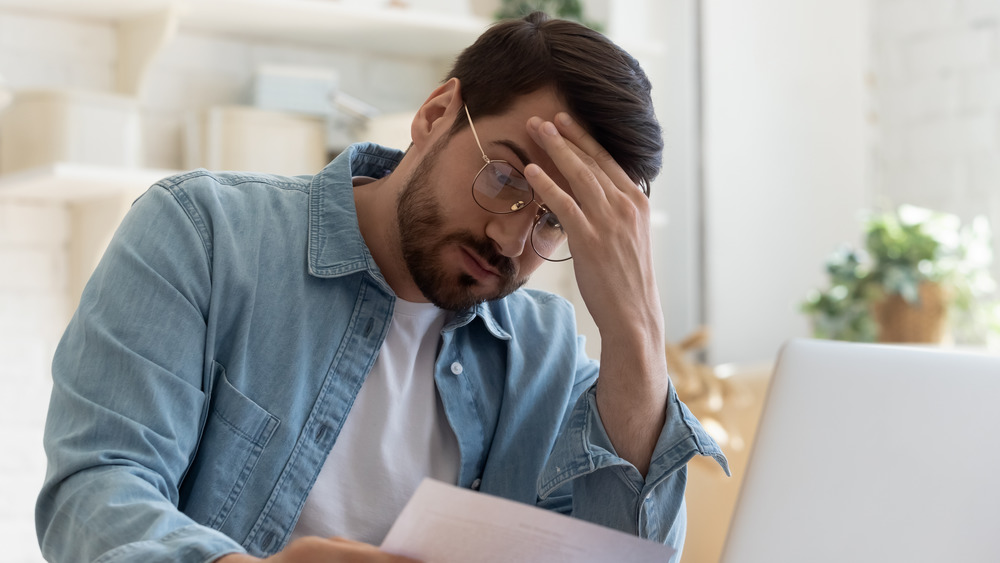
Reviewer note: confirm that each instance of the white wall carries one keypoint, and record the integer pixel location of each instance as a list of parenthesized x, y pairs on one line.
[(786, 144), (936, 70), (675, 194)]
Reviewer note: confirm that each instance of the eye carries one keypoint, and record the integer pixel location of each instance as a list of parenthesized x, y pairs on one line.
[(550, 224), (506, 175), (507, 183), (502, 178)]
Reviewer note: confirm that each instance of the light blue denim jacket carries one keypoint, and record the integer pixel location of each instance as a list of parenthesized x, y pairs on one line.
[(218, 348)]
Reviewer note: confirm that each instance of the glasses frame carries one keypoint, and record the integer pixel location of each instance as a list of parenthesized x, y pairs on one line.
[(518, 206)]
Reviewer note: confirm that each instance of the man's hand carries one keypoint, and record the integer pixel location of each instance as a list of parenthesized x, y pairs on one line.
[(322, 550), (606, 218)]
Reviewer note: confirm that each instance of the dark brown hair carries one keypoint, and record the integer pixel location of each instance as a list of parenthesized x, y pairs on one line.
[(602, 85)]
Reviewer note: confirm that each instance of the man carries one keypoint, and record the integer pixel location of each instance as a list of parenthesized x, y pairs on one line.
[(260, 363)]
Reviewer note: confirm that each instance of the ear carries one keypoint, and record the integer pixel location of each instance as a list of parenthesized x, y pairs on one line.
[(436, 115)]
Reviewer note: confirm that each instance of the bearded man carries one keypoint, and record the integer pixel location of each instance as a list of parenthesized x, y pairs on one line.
[(266, 367)]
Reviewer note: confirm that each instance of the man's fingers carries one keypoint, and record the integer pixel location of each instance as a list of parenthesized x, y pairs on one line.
[(582, 174), (576, 134), (560, 202)]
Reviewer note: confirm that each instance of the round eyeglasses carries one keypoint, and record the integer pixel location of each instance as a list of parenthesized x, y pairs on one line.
[(502, 189)]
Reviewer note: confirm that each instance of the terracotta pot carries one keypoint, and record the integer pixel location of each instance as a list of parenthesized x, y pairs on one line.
[(901, 321)]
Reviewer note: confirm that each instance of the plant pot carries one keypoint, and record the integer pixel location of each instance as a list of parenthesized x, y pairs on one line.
[(901, 321)]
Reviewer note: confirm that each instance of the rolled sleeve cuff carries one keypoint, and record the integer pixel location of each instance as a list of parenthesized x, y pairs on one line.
[(608, 489)]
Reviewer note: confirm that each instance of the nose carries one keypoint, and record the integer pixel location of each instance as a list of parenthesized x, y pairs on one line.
[(511, 232)]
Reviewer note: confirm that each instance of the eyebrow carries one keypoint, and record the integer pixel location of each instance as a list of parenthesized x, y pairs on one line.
[(516, 149)]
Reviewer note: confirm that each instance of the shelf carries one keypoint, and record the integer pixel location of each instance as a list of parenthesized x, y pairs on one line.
[(396, 31), (70, 183)]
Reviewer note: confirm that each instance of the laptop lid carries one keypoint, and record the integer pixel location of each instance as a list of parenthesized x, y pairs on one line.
[(873, 453)]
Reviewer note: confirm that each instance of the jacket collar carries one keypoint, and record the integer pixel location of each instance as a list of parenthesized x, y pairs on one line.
[(335, 244), (485, 311)]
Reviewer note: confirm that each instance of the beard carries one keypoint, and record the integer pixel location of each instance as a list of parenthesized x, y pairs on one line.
[(420, 223)]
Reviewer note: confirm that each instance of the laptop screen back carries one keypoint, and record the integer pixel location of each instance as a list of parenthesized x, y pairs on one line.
[(873, 453)]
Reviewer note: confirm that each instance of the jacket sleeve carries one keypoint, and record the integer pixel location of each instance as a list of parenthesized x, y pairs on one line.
[(585, 473), (129, 397)]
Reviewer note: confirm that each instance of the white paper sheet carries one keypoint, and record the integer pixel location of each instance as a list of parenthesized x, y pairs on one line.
[(445, 524)]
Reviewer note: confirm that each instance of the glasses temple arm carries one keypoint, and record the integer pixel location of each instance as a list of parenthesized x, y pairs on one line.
[(486, 159)]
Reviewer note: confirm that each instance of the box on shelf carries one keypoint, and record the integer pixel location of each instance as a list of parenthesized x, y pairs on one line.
[(300, 89), (312, 91), (251, 139), (84, 127)]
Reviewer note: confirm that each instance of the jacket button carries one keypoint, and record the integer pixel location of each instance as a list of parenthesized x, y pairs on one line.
[(456, 368), (476, 483)]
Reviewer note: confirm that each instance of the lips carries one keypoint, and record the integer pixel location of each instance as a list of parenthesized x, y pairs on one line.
[(477, 266)]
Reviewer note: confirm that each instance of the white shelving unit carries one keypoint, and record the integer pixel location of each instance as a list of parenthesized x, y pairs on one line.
[(146, 26), (73, 183), (398, 31)]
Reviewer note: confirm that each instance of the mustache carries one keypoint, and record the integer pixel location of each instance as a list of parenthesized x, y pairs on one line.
[(487, 251)]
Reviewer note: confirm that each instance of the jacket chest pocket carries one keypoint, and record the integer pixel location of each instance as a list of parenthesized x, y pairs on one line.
[(235, 434)]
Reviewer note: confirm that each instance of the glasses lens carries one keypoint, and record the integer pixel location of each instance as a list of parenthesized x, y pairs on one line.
[(549, 239), (500, 188)]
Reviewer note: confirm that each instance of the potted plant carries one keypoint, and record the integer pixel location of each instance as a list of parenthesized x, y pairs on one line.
[(921, 275), (563, 9)]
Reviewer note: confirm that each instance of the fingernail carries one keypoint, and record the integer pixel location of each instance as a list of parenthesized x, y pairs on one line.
[(564, 119), (532, 170), (549, 129)]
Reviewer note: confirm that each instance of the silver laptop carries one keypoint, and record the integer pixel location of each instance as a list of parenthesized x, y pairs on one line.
[(873, 453)]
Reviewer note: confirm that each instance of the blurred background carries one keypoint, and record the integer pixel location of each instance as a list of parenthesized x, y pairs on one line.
[(795, 131)]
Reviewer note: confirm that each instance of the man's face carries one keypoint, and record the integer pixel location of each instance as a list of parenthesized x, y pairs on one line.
[(428, 242), (457, 253)]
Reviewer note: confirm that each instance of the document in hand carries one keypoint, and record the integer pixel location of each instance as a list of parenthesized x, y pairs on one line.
[(445, 524)]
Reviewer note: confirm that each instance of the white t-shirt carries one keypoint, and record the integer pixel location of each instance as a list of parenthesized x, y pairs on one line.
[(395, 435)]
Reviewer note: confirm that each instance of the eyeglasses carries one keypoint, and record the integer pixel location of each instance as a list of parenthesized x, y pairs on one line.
[(502, 189)]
